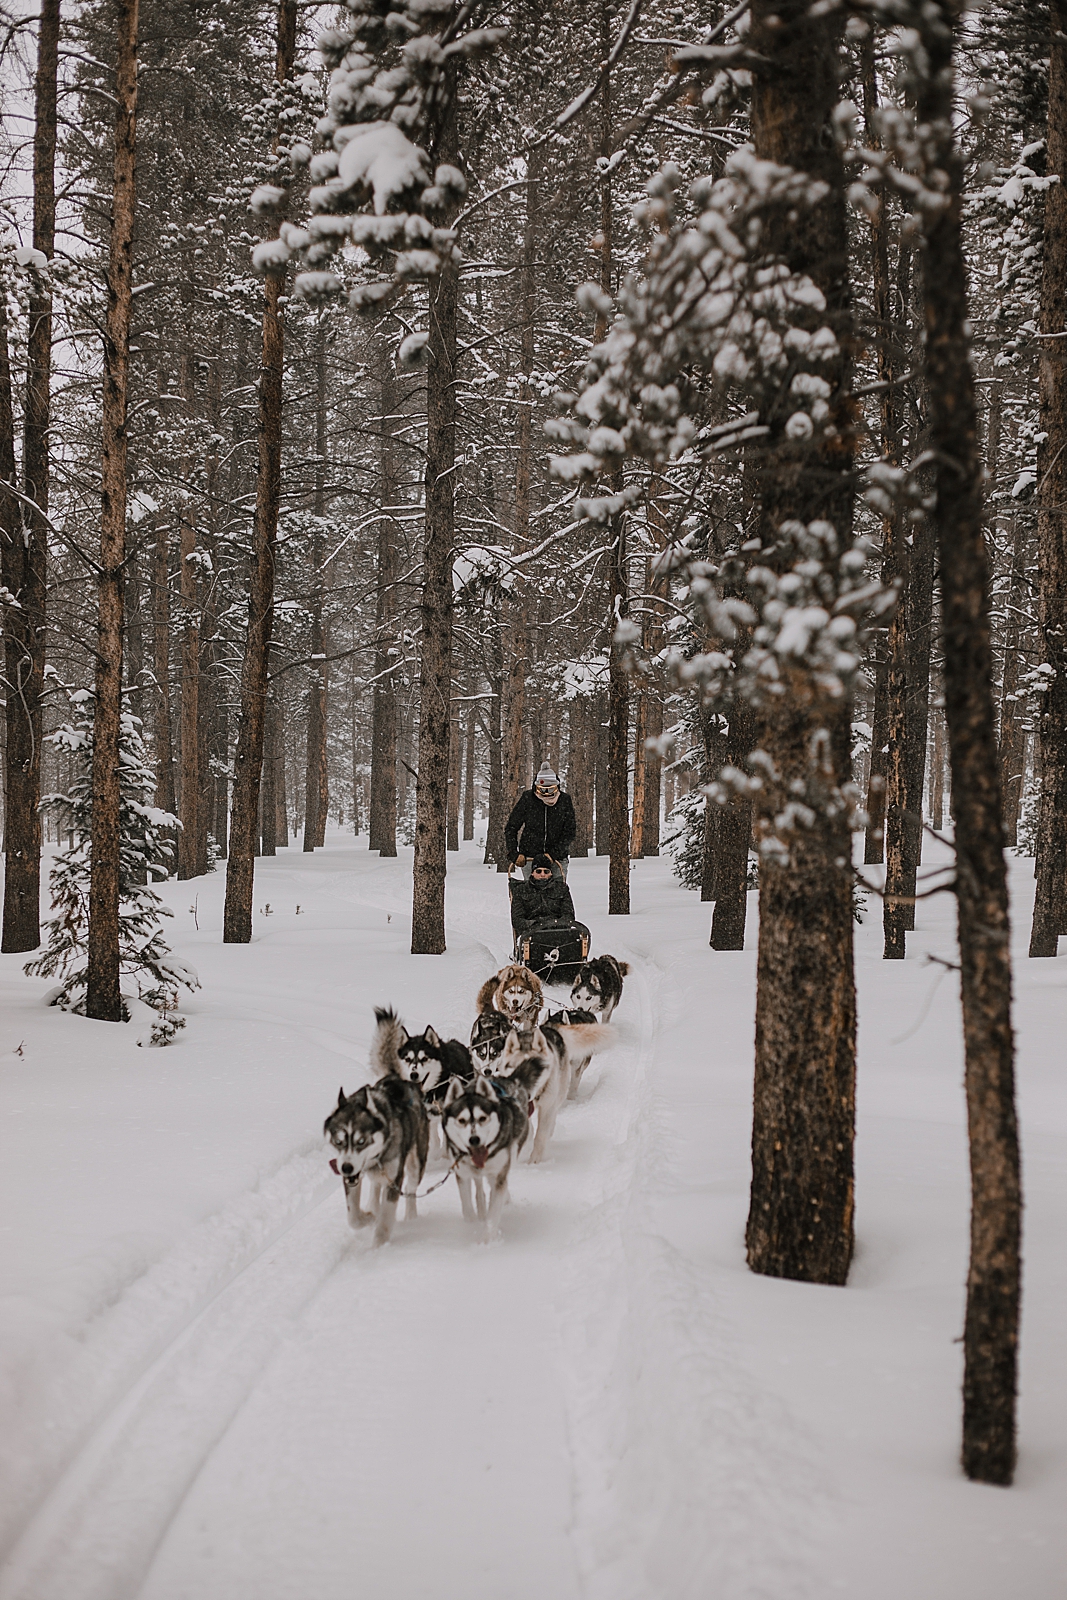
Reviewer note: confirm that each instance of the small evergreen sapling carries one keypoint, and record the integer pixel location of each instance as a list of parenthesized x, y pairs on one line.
[(145, 850)]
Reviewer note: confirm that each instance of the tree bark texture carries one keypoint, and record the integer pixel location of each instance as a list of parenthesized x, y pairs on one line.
[(26, 559), (316, 803), (248, 760), (599, 732), (469, 767), (874, 841), (800, 1222), (991, 1327), (382, 812), (1050, 896), (435, 663), (189, 863), (455, 768), (1012, 742), (734, 836), (618, 738), (581, 761), (161, 727), (103, 999), (909, 711)]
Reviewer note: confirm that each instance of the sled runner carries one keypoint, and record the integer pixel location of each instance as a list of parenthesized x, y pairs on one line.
[(554, 950)]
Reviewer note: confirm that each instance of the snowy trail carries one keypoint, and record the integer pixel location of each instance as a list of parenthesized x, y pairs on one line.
[(212, 1388), (324, 1383)]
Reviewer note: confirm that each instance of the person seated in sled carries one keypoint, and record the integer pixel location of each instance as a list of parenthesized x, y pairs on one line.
[(544, 897), (542, 823)]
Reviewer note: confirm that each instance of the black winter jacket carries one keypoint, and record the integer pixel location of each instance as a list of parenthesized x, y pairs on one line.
[(535, 902), (545, 830)]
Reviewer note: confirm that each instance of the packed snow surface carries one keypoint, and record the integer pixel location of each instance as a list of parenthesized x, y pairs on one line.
[(213, 1390)]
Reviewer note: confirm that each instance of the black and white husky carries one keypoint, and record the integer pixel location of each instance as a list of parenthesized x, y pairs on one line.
[(380, 1133), (485, 1125), (488, 1037), (598, 985), (430, 1061)]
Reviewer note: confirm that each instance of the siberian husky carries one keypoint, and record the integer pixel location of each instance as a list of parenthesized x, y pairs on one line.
[(430, 1061), (515, 992), (598, 985), (380, 1133), (488, 1035), (485, 1125), (579, 1060), (558, 1051)]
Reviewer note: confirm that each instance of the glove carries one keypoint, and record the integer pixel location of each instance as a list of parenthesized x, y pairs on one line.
[(520, 861)]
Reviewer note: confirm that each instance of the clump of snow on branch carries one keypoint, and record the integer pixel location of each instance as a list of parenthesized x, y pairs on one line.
[(782, 618), (374, 186)]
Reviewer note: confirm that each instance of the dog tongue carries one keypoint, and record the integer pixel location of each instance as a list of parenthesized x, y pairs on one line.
[(478, 1156)]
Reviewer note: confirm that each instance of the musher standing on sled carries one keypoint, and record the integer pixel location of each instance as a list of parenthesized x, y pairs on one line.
[(544, 817)]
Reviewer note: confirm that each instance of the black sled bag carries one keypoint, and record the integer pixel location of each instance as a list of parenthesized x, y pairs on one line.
[(554, 950)]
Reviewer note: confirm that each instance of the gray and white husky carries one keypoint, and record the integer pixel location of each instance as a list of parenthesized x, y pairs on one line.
[(485, 1124), (380, 1133), (560, 1052)]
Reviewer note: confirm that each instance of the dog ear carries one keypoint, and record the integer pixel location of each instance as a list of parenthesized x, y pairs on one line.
[(404, 1036), (340, 1098), (483, 1085), (431, 1035), (454, 1090)]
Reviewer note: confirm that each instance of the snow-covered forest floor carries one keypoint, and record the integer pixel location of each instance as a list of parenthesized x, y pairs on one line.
[(212, 1388)]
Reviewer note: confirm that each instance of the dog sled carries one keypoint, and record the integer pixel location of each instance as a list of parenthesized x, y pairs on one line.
[(554, 950)]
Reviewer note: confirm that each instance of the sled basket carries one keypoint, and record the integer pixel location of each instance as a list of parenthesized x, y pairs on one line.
[(555, 950)]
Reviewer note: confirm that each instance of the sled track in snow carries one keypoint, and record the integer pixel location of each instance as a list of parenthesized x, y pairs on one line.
[(28, 1565), (95, 1532)]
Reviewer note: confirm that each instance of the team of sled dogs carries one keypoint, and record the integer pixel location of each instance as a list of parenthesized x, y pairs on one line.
[(475, 1102)]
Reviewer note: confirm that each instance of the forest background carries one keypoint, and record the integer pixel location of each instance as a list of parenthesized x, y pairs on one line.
[(444, 608)]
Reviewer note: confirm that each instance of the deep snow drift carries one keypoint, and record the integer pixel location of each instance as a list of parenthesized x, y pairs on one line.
[(211, 1387)]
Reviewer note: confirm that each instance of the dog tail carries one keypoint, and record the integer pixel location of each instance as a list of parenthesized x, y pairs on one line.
[(486, 993), (384, 1057), (585, 1039)]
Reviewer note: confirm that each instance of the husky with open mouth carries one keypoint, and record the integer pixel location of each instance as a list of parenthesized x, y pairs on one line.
[(485, 1125), (380, 1133)]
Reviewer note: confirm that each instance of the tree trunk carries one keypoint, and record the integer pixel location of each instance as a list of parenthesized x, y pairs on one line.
[(382, 818), (1012, 743), (164, 751), (26, 560), (468, 782), (581, 764), (316, 803), (600, 745), (248, 761), (495, 849), (991, 1327), (455, 768), (281, 805), (637, 832), (937, 784), (734, 836), (435, 665), (800, 1222), (1050, 897), (618, 741), (268, 811), (874, 841), (103, 999), (189, 865)]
